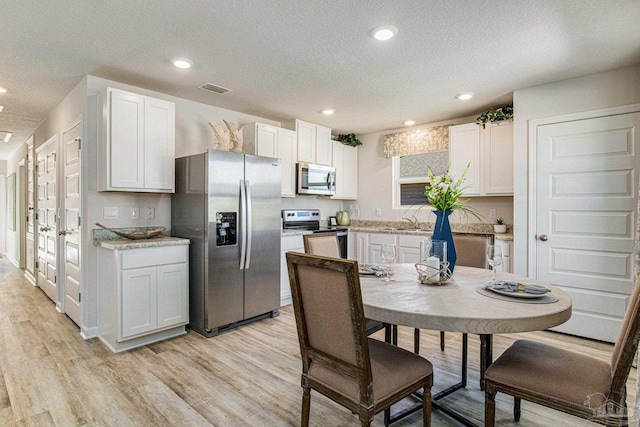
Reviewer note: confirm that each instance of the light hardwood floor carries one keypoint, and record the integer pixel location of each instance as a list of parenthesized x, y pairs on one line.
[(247, 377)]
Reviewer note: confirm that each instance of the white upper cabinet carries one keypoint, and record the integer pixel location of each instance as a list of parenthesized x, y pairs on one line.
[(139, 150), (464, 149), (345, 160), (271, 141), (314, 143), (489, 152), (497, 148)]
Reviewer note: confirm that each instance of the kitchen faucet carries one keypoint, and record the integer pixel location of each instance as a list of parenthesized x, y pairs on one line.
[(414, 221)]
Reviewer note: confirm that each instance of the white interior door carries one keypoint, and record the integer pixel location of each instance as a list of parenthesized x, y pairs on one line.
[(586, 193), (47, 218), (69, 233), (30, 242)]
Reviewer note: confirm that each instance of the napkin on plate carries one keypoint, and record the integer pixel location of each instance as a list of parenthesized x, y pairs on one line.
[(513, 286), (378, 270)]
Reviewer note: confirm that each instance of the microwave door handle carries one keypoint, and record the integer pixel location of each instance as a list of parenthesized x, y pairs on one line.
[(249, 224), (332, 180), (243, 224), (328, 180)]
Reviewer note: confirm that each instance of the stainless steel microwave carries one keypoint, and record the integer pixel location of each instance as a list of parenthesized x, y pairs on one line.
[(316, 179)]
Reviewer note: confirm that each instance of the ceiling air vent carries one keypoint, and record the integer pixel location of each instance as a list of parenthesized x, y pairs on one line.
[(215, 88)]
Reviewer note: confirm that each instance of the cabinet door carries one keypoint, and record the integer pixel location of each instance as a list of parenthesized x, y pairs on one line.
[(323, 146), (357, 247), (345, 160), (126, 140), (287, 154), (409, 248), (294, 244), (506, 256), (159, 144), (464, 149), (306, 141), (375, 246), (497, 151), (173, 295), (266, 140), (138, 299)]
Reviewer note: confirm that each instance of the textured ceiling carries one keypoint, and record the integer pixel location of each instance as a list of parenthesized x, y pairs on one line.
[(291, 59)]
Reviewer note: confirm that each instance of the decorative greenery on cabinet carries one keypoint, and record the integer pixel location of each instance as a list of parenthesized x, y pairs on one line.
[(495, 115), (347, 139)]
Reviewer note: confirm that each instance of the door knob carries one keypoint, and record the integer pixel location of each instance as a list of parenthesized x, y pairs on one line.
[(62, 233), (542, 237), (45, 229)]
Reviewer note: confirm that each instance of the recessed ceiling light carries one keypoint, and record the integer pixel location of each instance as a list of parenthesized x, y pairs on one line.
[(182, 63), (409, 122), (6, 136), (3, 90), (464, 96), (383, 32), (328, 111)]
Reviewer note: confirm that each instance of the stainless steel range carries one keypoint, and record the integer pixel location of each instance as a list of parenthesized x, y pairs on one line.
[(309, 219)]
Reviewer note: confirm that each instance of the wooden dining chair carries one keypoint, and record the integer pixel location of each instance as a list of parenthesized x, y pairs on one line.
[(362, 374), (328, 246), (573, 383)]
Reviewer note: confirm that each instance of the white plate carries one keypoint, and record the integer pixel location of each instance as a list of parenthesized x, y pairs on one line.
[(517, 294), (366, 272)]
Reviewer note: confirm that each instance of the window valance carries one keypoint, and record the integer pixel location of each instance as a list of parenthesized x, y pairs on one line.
[(417, 141)]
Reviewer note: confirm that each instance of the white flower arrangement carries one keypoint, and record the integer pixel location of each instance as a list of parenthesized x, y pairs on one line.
[(444, 191)]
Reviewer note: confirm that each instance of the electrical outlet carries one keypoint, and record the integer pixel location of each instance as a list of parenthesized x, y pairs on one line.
[(149, 213), (135, 213), (492, 214), (378, 211)]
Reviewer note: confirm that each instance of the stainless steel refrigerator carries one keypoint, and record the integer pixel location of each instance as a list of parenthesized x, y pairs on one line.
[(228, 205)]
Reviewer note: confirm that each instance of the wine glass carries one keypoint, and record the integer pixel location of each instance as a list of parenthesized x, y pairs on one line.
[(388, 254), (494, 256)]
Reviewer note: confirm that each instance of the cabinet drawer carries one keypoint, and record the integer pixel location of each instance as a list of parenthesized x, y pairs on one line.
[(146, 257)]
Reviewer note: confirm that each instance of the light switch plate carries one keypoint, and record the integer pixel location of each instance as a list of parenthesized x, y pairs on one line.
[(110, 213), (135, 213), (492, 214), (378, 211)]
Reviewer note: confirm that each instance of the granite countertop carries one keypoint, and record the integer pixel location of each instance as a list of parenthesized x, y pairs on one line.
[(109, 240), (286, 233), (154, 242), (395, 227)]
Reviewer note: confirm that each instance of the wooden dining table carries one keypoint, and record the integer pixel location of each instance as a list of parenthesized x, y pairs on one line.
[(461, 305)]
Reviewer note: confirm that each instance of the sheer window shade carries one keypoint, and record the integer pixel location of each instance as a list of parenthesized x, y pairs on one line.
[(417, 141)]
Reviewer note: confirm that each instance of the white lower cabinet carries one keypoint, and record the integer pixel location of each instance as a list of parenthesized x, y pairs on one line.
[(376, 240), (143, 295), (409, 248), (294, 244), (506, 256), (358, 246)]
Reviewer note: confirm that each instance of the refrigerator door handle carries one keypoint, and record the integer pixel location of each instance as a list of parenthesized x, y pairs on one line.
[(249, 224), (243, 224)]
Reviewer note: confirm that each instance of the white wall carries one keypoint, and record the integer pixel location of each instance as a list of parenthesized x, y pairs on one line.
[(12, 237), (594, 92), (375, 182)]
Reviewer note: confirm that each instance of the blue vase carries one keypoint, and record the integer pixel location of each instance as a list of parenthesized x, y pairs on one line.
[(442, 231)]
